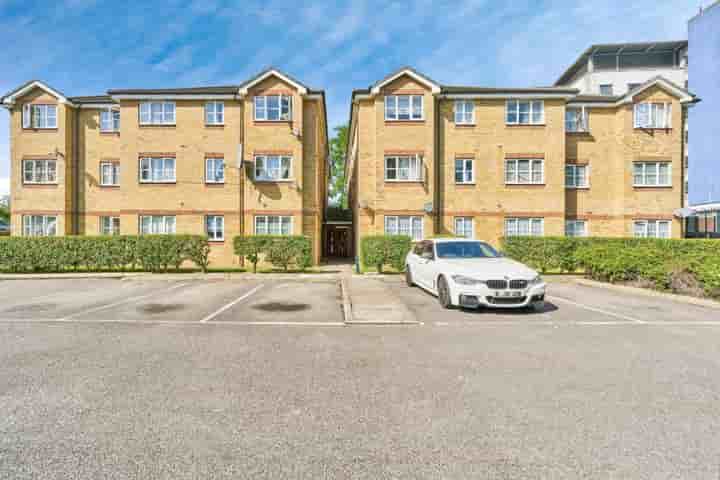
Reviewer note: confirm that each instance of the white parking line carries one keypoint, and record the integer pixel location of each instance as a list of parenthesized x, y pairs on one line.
[(171, 322), (597, 310), (120, 302), (229, 305)]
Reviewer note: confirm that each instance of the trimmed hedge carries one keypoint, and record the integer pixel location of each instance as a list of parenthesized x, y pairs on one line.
[(281, 251), (152, 253), (623, 259), (381, 250)]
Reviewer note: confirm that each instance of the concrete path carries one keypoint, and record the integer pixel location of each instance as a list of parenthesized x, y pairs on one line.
[(373, 302)]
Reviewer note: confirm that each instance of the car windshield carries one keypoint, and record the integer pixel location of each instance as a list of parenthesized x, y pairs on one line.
[(465, 250)]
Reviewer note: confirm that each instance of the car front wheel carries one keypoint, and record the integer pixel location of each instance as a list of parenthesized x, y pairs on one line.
[(444, 293)]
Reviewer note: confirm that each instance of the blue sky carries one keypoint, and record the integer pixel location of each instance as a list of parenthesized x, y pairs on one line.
[(85, 47)]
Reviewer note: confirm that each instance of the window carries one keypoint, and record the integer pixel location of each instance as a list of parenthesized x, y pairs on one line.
[(576, 176), (157, 113), (273, 225), (575, 228), (39, 225), (576, 119), (464, 227), (410, 226), (157, 225), (109, 120), (39, 116), (215, 227), (273, 108), (524, 227), (109, 225), (464, 170), (404, 107), (39, 171), (633, 86), (157, 170), (653, 115), (525, 112), (109, 173), (464, 112), (606, 89), (215, 170), (652, 174), (273, 168), (214, 113), (403, 168), (651, 228), (526, 171)]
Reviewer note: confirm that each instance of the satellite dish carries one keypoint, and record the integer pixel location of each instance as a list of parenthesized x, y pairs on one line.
[(428, 207)]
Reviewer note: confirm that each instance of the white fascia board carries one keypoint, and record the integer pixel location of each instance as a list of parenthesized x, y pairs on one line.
[(672, 89), (434, 88), (591, 105), (183, 96), (364, 96), (97, 106), (244, 90), (510, 96), (313, 96), (10, 99)]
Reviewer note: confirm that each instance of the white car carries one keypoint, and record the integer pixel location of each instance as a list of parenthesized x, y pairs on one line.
[(472, 274)]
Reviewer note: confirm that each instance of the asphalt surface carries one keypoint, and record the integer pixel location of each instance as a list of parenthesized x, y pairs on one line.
[(608, 386)]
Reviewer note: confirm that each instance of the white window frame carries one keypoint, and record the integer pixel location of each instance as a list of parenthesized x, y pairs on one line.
[(215, 113), (651, 228), (114, 174), (606, 85), (211, 170), (513, 226), (262, 109), (166, 110), (110, 120), (39, 176), (39, 116), (263, 174), (215, 228), (648, 169), (464, 112), (573, 180), (650, 115), (167, 224), (392, 104), (415, 226), (467, 227), (39, 225), (572, 230), (514, 107), (109, 225), (414, 169), (146, 165), (262, 224), (512, 174), (580, 123), (464, 170)]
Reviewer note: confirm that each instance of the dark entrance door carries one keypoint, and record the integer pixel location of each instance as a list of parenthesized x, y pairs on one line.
[(338, 241)]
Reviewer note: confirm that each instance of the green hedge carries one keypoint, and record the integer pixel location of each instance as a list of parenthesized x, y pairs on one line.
[(380, 250), (282, 251), (152, 253), (622, 259)]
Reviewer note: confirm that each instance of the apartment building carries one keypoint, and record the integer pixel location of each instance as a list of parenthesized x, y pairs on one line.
[(427, 159), (222, 161)]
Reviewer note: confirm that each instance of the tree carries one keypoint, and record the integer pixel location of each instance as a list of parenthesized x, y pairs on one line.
[(5, 208), (338, 150)]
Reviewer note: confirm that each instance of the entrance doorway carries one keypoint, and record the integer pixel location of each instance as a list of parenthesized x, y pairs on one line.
[(338, 240)]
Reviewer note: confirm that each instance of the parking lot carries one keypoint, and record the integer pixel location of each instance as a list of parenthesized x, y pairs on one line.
[(255, 378)]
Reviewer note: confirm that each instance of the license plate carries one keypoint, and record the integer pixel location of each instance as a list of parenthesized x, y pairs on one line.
[(508, 294)]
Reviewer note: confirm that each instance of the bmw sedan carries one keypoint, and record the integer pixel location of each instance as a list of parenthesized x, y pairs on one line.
[(472, 274)]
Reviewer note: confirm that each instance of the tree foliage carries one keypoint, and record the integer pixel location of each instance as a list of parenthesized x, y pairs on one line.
[(338, 151)]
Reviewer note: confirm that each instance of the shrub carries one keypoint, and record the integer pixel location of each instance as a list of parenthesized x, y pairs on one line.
[(381, 250), (56, 254), (281, 251), (251, 247)]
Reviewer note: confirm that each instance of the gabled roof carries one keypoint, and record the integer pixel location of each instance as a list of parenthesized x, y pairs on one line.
[(269, 72), (682, 94), (10, 97), (412, 73), (230, 90), (616, 48)]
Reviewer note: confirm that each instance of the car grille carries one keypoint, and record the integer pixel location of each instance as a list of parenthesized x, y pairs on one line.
[(518, 284), (497, 284), (506, 301)]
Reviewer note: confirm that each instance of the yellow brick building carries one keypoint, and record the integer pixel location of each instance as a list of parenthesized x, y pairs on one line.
[(224, 161), (427, 159)]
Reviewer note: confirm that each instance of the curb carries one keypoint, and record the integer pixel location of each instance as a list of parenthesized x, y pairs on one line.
[(701, 302), (328, 277), (381, 322)]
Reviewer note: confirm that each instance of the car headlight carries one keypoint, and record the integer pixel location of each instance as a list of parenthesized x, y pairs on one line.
[(463, 280), (536, 281)]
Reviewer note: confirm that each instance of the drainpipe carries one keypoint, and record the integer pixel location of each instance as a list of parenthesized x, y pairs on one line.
[(437, 169), (76, 171)]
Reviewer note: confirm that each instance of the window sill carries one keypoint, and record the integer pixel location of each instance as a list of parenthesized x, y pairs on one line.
[(284, 180), (215, 125), (108, 186), (404, 122), (214, 184), (40, 185), (660, 187), (577, 133), (465, 125), (577, 188), (110, 133), (531, 125), (401, 182), (654, 129), (158, 125), (272, 122), (216, 242), (158, 183), (464, 184), (40, 130), (525, 184)]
